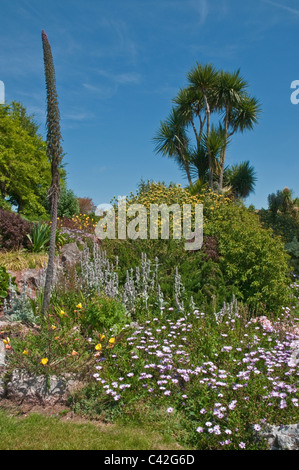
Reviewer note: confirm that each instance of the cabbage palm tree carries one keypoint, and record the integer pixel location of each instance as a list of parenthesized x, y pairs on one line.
[(209, 93), (202, 85), (212, 145), (240, 111), (172, 141)]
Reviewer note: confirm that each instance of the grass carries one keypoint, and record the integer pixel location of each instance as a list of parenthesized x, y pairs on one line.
[(38, 432), (19, 260)]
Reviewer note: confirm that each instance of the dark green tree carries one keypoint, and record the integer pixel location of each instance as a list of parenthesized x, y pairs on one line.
[(55, 155), (68, 205)]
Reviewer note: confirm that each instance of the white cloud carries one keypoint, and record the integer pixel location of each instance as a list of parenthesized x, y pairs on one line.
[(121, 78), (283, 7), (202, 7), (112, 82), (102, 91), (77, 116)]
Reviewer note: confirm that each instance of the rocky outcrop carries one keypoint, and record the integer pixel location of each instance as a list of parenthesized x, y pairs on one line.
[(70, 255), (24, 387), (294, 359), (2, 356), (32, 280), (29, 279), (2, 369), (281, 437)]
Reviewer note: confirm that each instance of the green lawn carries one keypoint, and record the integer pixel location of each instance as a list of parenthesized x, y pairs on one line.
[(38, 432)]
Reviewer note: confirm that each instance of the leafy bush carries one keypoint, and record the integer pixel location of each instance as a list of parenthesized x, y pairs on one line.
[(4, 283), (5, 204), (283, 225), (252, 260), (68, 204), (13, 231), (102, 314)]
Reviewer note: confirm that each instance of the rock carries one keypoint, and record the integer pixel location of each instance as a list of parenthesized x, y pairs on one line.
[(70, 254), (281, 437), (31, 279), (2, 388), (294, 359), (2, 355), (2, 370), (27, 388), (5, 324)]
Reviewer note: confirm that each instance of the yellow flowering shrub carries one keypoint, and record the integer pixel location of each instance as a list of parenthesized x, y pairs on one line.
[(252, 262)]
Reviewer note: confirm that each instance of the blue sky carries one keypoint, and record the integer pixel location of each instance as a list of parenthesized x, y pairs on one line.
[(119, 64)]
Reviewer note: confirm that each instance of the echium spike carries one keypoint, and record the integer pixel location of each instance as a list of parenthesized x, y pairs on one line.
[(54, 152)]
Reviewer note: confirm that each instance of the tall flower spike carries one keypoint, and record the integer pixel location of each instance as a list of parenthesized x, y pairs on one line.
[(54, 152)]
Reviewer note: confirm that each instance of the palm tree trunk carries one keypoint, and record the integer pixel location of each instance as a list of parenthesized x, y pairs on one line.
[(223, 152), (187, 169), (188, 175), (208, 111)]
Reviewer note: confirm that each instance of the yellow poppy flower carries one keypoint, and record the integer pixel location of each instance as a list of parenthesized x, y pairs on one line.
[(44, 361), (6, 340), (102, 337), (79, 305), (112, 340), (53, 327), (98, 347), (62, 312), (25, 352)]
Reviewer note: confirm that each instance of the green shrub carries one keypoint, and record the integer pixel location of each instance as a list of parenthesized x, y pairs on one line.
[(4, 283), (5, 205), (102, 314), (252, 260), (283, 225), (68, 204), (293, 249)]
